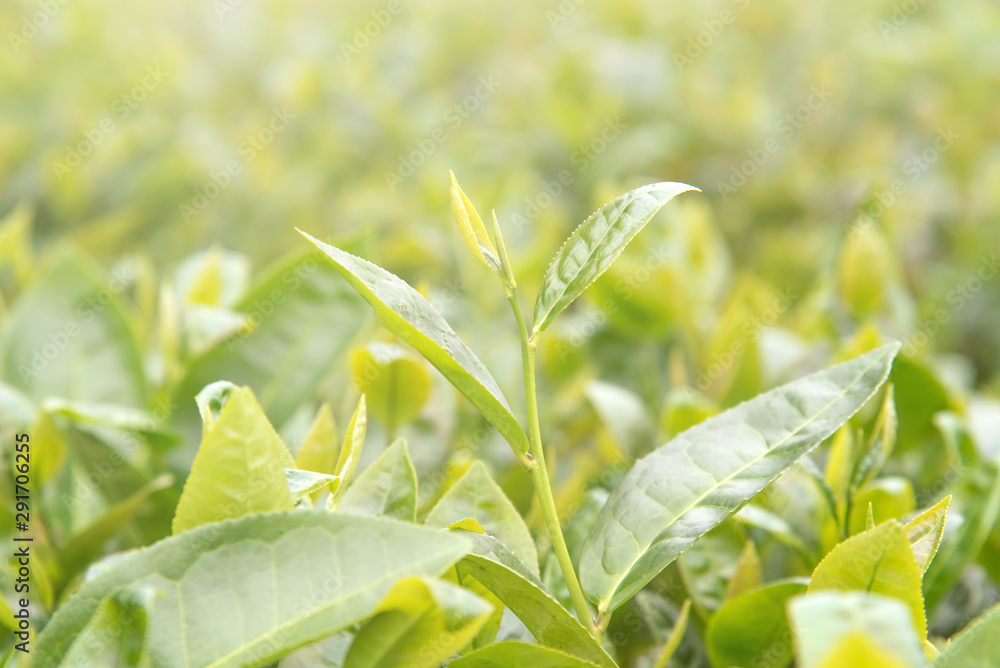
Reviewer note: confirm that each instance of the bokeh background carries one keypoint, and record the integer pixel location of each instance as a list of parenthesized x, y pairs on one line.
[(848, 156)]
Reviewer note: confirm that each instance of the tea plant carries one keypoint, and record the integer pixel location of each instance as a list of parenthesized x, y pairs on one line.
[(310, 560)]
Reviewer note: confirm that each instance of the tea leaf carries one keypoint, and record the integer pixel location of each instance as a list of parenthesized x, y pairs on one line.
[(386, 488), (753, 624), (405, 313), (680, 491), (596, 244), (925, 531), (977, 645)]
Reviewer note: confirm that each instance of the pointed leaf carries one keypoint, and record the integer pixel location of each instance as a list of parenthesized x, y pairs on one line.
[(978, 645), (683, 489), (925, 531), (478, 497), (878, 561), (510, 654), (596, 244), (502, 573), (420, 624), (318, 451), (471, 226), (239, 468), (247, 591), (386, 488), (354, 441), (821, 621), (405, 313)]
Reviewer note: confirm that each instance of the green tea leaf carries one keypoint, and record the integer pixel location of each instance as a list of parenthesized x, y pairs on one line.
[(753, 625), (821, 621), (395, 384), (502, 573), (247, 591), (680, 491), (478, 497), (386, 488), (239, 468), (405, 313), (420, 624), (860, 650), (68, 336), (925, 531), (879, 561), (976, 646), (595, 245), (512, 653)]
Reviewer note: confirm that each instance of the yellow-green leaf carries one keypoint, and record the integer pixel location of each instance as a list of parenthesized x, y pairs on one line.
[(879, 561), (396, 385), (386, 488), (350, 452), (318, 451), (239, 468), (472, 228)]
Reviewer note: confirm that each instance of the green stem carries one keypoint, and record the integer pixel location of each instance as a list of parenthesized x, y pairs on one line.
[(539, 473)]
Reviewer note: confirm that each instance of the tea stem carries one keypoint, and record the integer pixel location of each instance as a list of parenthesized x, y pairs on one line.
[(539, 473)]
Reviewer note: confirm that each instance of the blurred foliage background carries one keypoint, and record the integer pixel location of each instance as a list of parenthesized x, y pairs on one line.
[(847, 154)]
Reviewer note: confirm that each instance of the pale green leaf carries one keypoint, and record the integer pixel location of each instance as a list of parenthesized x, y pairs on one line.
[(680, 491), (239, 468), (925, 531), (386, 488), (68, 336), (512, 654), (596, 244), (304, 318), (405, 313), (879, 561), (245, 592), (751, 625), (977, 646), (478, 497), (497, 569), (821, 621), (749, 573), (303, 483), (420, 624)]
